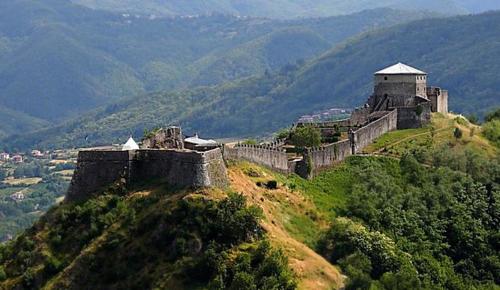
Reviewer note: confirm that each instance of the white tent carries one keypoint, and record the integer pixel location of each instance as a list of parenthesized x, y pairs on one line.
[(130, 145)]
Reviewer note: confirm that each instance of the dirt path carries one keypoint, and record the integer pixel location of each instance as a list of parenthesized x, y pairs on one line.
[(313, 271)]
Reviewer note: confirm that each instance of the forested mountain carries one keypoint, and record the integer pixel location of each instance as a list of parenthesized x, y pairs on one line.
[(460, 54), (284, 8), (58, 59)]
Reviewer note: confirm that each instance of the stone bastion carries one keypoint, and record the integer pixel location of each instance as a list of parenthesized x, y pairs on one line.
[(178, 168)]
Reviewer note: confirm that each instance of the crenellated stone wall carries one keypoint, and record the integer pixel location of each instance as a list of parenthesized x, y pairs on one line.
[(319, 158), (329, 155), (269, 156), (98, 169), (367, 134)]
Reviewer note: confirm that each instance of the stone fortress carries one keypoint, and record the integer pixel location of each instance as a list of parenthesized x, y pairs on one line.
[(164, 156), (401, 100)]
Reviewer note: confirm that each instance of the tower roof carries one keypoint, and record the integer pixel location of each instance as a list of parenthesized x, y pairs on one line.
[(130, 145), (400, 69)]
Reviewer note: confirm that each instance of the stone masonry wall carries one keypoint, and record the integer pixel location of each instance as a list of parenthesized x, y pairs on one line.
[(98, 169), (331, 154), (270, 157), (408, 118), (321, 157), (366, 135)]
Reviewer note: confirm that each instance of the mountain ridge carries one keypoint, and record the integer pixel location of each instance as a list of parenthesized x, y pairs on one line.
[(70, 59), (260, 105)]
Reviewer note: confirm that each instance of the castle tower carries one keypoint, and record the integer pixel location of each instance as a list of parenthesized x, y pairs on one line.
[(400, 80)]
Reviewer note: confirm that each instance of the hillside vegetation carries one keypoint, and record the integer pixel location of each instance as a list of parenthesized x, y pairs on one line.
[(58, 59), (425, 217), (464, 63)]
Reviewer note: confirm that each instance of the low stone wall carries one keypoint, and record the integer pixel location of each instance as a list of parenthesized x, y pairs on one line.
[(329, 155), (98, 169), (268, 156), (366, 135)]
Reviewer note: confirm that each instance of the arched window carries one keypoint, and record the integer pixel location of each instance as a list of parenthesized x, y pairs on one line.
[(385, 78)]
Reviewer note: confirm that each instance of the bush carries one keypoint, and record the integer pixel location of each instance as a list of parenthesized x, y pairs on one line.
[(52, 266), (307, 136), (272, 184), (457, 133), (3, 276), (491, 131)]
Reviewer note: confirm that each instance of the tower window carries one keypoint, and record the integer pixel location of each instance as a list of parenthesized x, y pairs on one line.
[(385, 78)]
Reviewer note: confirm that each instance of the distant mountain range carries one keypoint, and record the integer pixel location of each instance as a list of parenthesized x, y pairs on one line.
[(460, 54), (285, 8), (58, 59)]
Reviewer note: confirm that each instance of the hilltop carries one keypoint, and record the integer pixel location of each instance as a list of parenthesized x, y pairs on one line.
[(374, 217)]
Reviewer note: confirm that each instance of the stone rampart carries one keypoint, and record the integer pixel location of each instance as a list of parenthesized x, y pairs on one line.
[(329, 155), (271, 157), (367, 134), (98, 169)]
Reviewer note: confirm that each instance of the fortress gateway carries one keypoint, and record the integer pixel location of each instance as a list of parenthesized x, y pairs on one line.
[(401, 99)]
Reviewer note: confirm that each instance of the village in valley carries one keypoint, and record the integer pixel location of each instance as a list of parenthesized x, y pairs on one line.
[(30, 183)]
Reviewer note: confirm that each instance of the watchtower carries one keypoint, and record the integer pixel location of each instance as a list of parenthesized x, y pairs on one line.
[(400, 80)]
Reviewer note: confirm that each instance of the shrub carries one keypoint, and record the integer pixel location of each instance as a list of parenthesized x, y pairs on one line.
[(3, 276), (307, 136), (272, 184), (491, 131), (250, 142), (52, 266), (457, 133)]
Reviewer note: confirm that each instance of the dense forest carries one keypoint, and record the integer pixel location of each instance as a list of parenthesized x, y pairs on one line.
[(407, 226)]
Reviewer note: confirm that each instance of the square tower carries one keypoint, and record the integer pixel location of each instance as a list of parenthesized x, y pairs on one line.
[(400, 80)]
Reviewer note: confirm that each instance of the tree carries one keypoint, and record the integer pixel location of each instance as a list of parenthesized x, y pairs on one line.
[(283, 134), (491, 131), (494, 115), (307, 136)]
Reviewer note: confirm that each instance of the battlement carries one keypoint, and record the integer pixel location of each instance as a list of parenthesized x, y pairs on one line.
[(317, 158), (179, 168)]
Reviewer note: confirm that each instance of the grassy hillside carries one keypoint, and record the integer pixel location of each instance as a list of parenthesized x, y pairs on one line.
[(58, 59), (423, 217), (439, 133), (276, 9), (176, 240)]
